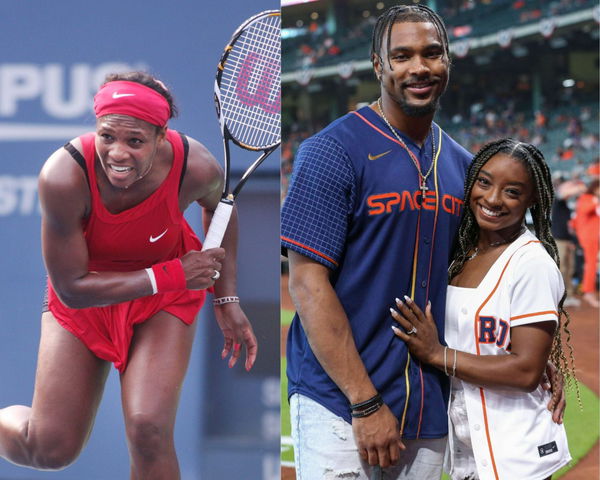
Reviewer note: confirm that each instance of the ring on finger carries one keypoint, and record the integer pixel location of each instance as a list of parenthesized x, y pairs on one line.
[(412, 331), (216, 275)]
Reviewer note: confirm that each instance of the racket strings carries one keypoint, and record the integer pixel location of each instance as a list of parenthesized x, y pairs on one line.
[(250, 84), (254, 101)]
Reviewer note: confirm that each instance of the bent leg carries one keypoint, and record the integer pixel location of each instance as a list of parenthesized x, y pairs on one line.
[(69, 383), (151, 384)]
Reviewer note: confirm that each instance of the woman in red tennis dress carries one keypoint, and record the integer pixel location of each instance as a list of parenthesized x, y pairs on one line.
[(126, 281)]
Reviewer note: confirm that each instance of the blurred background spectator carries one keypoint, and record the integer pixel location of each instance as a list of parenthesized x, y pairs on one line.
[(587, 227), (565, 192)]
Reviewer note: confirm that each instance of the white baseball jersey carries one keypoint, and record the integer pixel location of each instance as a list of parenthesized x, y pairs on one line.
[(512, 433)]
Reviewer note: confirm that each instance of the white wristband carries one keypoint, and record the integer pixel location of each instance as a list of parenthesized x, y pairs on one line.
[(150, 273)]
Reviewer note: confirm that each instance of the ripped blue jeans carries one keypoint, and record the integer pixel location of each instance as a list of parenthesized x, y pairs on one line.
[(324, 449)]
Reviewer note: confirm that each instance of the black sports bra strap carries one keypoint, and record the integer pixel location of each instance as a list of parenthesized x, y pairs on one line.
[(186, 149), (78, 157)]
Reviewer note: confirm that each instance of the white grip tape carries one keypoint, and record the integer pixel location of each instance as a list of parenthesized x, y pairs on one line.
[(218, 225)]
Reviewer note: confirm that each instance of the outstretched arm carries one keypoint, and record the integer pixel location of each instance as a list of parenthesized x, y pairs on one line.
[(203, 183), (328, 331), (237, 329)]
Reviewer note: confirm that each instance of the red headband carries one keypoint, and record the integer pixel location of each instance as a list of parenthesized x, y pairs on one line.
[(133, 99)]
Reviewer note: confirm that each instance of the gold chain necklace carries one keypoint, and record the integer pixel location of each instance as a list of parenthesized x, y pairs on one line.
[(422, 178), (497, 244)]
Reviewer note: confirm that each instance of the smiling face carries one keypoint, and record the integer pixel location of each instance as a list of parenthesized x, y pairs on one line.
[(502, 192), (126, 147), (416, 74)]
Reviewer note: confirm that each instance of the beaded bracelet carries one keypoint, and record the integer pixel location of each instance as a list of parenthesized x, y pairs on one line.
[(223, 300)]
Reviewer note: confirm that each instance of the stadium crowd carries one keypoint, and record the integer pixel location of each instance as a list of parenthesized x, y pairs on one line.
[(568, 137), (318, 43)]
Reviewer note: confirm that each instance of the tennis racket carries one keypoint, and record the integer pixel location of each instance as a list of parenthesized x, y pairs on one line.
[(248, 102)]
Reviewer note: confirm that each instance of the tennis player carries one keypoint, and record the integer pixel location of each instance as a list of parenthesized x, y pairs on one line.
[(126, 279), (504, 319)]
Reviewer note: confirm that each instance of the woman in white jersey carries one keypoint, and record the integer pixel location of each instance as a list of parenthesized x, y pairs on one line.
[(504, 319)]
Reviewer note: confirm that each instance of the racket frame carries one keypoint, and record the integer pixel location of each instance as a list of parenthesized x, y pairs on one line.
[(224, 130), (224, 209)]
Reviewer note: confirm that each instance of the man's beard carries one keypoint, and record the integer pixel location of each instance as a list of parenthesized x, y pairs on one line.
[(418, 110)]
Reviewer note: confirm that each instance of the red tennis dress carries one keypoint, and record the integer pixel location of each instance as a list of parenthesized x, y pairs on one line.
[(151, 232)]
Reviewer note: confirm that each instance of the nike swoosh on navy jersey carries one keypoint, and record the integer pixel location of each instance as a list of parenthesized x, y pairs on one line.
[(375, 157)]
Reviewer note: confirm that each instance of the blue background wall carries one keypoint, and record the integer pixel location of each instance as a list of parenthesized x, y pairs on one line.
[(53, 55)]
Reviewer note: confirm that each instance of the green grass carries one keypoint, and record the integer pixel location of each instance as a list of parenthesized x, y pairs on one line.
[(582, 426), (287, 452), (286, 317)]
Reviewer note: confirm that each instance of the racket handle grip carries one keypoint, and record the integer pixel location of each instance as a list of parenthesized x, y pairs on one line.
[(218, 225)]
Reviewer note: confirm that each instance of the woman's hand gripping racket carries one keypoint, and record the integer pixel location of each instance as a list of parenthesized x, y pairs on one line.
[(248, 101)]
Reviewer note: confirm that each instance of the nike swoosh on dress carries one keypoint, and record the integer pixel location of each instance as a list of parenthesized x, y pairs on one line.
[(154, 239)]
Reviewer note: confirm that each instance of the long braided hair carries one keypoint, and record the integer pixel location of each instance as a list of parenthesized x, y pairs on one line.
[(405, 13), (468, 232)]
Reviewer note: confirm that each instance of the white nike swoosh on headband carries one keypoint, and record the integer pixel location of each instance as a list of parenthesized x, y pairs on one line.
[(119, 95)]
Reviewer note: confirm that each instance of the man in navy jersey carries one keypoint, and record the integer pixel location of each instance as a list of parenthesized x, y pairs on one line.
[(374, 202)]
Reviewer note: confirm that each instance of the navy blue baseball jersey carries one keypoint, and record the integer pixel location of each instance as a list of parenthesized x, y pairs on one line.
[(354, 205)]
